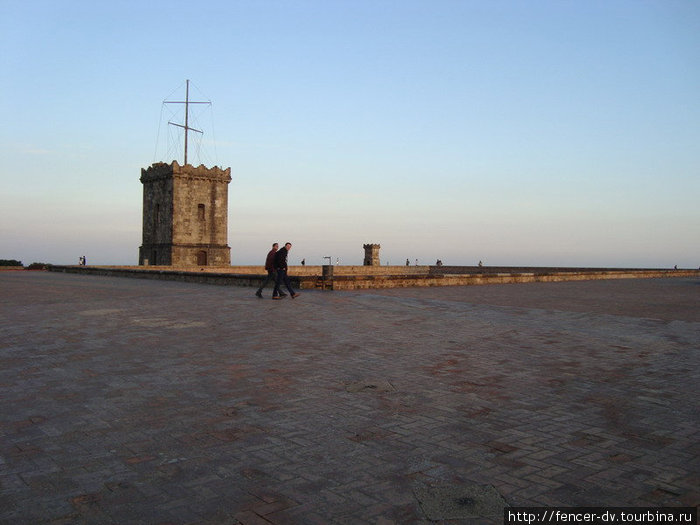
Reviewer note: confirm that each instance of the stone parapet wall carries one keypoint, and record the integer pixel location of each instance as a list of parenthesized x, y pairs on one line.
[(309, 270), (380, 270), (225, 276), (404, 281), (460, 270), (166, 273), (340, 270)]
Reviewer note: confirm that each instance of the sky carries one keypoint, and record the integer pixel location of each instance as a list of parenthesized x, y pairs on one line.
[(539, 133)]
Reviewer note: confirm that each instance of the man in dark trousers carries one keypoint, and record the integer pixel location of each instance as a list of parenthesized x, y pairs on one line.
[(270, 268), (281, 267)]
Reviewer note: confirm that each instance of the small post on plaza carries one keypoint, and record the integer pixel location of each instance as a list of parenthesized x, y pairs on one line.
[(327, 274)]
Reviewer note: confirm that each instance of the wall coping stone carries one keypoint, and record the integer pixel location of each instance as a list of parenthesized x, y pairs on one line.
[(224, 276)]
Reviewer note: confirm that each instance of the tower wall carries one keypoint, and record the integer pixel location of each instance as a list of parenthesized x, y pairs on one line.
[(157, 221), (371, 255), (185, 215)]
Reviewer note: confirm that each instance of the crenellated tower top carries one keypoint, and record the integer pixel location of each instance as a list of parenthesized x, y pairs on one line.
[(161, 170)]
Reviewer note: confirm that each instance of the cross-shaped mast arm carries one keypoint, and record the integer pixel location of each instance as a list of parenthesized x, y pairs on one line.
[(187, 103)]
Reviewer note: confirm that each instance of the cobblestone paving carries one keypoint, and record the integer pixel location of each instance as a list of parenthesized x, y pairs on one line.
[(133, 401)]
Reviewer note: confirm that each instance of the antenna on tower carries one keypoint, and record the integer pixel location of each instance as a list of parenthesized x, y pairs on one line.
[(187, 103)]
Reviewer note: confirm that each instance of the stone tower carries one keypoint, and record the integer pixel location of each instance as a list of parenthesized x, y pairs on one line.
[(185, 215), (371, 255)]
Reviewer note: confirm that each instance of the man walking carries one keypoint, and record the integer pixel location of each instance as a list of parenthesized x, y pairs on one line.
[(281, 267), (270, 268)]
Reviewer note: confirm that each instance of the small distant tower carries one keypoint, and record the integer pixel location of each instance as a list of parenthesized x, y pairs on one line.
[(371, 254), (185, 215)]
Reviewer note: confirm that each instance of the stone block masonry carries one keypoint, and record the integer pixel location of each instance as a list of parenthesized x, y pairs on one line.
[(185, 215), (372, 255), (353, 278)]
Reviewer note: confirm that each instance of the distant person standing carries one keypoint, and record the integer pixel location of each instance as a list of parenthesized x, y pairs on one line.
[(281, 267), (407, 262), (303, 262), (270, 268)]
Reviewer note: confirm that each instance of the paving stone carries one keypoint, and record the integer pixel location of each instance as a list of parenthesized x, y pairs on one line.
[(461, 501), (132, 401)]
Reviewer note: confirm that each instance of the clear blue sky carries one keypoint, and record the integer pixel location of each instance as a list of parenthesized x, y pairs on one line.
[(512, 132)]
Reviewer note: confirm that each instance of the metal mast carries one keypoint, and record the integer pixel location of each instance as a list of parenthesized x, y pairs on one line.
[(187, 103)]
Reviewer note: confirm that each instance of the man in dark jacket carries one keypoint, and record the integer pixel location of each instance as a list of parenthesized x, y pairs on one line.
[(270, 268), (281, 267)]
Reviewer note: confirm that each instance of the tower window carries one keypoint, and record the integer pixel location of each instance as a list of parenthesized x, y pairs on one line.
[(200, 212)]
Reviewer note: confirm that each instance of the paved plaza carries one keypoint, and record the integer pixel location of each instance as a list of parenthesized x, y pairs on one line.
[(128, 401)]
